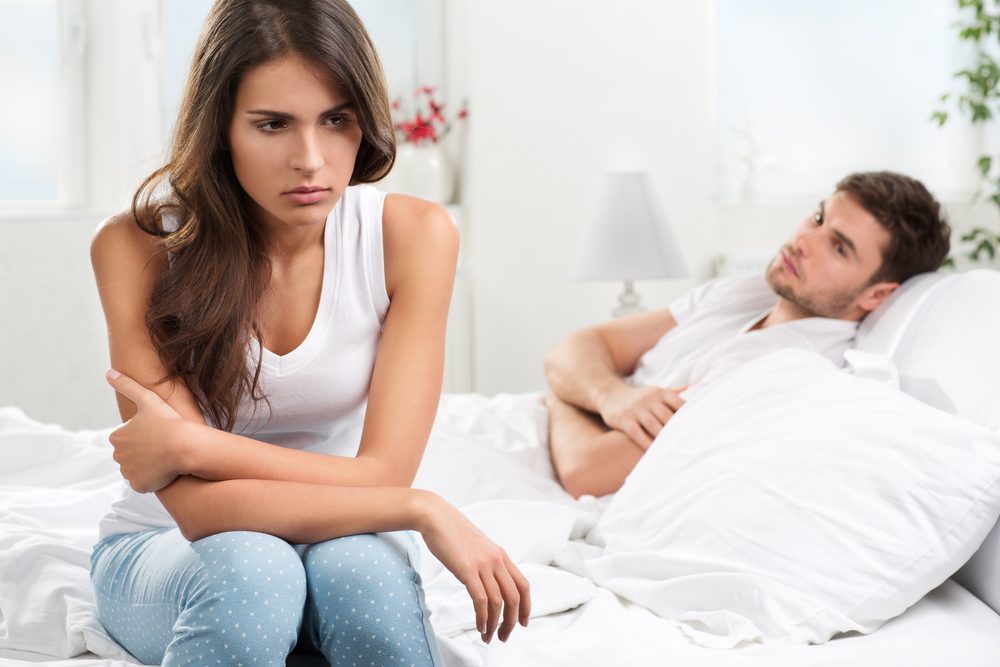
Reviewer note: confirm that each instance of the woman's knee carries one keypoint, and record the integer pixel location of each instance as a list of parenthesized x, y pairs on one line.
[(365, 599), (258, 573), (362, 560), (364, 576), (250, 555)]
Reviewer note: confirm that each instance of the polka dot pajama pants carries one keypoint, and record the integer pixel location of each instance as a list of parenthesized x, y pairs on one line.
[(247, 599)]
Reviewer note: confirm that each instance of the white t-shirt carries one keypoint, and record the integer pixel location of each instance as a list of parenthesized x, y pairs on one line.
[(713, 334), (318, 392)]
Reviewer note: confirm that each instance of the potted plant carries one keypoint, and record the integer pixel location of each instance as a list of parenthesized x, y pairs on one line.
[(980, 100), (422, 168)]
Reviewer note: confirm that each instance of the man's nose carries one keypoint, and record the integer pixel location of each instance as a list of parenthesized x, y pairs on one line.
[(802, 243), (307, 156)]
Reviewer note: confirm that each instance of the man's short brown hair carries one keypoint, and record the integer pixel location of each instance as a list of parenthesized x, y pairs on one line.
[(919, 233)]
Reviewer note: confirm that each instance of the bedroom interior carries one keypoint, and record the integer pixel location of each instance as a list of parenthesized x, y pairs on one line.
[(740, 114)]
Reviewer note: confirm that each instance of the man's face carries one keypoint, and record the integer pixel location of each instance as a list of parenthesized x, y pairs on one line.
[(825, 268)]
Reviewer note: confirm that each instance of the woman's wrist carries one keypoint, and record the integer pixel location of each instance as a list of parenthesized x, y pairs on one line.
[(184, 445), (422, 507)]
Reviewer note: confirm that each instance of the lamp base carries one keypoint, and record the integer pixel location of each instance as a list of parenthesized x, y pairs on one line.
[(628, 302)]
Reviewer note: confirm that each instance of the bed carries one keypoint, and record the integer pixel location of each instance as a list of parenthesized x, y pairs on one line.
[(488, 456)]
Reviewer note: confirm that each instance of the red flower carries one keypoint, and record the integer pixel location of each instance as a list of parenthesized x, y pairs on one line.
[(428, 122)]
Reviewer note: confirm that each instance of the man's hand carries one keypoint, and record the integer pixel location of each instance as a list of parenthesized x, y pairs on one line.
[(145, 450), (640, 412)]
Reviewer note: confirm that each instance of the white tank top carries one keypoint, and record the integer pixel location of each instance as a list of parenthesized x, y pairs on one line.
[(317, 392)]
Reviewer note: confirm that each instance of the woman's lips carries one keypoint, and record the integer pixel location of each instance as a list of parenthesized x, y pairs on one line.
[(303, 197)]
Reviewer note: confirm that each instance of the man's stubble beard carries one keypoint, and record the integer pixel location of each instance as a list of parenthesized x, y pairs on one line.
[(812, 305)]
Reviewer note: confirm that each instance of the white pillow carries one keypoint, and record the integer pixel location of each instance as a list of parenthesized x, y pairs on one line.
[(791, 500), (940, 330)]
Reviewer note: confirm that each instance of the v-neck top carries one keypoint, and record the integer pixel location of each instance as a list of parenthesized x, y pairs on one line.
[(715, 333), (317, 393)]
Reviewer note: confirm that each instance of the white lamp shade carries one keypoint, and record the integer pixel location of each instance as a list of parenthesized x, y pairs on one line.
[(628, 238)]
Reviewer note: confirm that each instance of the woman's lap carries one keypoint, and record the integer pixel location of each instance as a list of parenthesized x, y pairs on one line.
[(233, 597)]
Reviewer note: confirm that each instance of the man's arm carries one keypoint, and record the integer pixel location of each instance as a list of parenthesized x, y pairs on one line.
[(587, 368), (588, 457)]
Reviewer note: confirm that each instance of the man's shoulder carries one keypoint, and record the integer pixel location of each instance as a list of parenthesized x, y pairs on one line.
[(745, 293)]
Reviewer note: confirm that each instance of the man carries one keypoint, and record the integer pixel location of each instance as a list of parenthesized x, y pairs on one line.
[(615, 385)]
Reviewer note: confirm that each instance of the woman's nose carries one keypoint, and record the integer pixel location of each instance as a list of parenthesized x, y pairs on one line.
[(307, 156)]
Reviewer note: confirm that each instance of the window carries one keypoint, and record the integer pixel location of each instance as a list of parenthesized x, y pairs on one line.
[(92, 90), (810, 90), (403, 32), (41, 48)]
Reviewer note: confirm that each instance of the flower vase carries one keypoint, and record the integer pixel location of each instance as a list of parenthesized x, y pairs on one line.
[(422, 170)]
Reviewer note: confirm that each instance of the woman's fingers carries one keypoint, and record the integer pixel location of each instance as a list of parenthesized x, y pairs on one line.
[(480, 603), (511, 602), (494, 603), (523, 589), (129, 388)]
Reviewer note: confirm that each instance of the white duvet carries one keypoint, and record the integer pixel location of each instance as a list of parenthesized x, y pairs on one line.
[(484, 456), (487, 456)]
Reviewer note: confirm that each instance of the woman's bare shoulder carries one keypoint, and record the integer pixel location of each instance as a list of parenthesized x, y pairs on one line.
[(407, 215), (120, 237)]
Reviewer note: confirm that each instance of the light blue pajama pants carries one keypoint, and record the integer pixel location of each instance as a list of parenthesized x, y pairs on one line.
[(245, 598)]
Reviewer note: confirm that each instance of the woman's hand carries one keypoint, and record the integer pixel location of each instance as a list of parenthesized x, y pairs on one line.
[(145, 447), (641, 412), (493, 581)]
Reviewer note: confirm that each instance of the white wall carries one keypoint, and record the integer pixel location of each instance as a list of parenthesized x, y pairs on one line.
[(53, 345), (562, 91)]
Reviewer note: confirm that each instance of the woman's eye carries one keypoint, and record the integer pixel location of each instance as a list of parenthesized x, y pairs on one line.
[(841, 250), (818, 218), (270, 125), (337, 121)]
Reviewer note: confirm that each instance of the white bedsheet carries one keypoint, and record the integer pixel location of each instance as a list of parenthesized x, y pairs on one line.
[(485, 455)]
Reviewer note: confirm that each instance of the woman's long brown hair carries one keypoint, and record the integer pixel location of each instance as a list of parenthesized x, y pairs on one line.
[(204, 307)]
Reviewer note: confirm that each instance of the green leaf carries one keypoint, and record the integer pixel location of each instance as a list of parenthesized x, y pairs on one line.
[(985, 162), (985, 247), (948, 263), (981, 113), (940, 117)]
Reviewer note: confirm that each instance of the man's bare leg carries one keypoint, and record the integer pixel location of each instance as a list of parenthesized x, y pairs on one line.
[(588, 457)]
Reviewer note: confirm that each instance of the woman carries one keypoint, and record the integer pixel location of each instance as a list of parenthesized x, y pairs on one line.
[(277, 330)]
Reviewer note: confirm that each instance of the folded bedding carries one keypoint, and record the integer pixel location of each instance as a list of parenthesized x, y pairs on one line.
[(792, 501)]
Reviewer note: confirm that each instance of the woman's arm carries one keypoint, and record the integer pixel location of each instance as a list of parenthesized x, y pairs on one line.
[(310, 513), (421, 251), (420, 248), (125, 262)]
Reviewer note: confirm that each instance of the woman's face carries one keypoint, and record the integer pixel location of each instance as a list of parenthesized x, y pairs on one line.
[(293, 137)]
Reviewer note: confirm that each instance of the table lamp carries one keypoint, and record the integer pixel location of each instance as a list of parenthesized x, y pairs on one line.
[(628, 238)]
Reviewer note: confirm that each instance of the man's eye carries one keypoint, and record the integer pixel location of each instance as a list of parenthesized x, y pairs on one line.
[(818, 218), (841, 250)]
